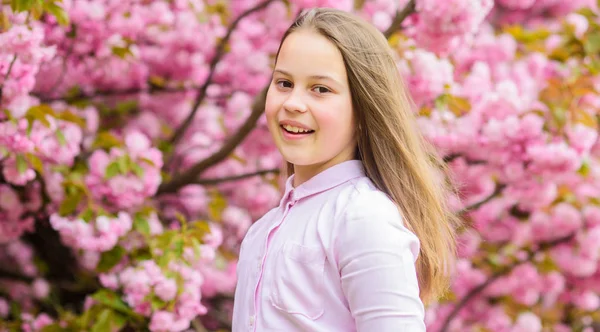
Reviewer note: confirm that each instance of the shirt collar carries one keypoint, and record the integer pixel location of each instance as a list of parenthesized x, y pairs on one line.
[(327, 179)]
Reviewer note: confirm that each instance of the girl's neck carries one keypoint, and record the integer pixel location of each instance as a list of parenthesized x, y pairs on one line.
[(303, 173)]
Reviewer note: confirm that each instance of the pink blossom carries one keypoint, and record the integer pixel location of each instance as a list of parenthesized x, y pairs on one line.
[(587, 300), (41, 288), (516, 4), (166, 289), (4, 308), (442, 25), (428, 76), (161, 321), (527, 322), (109, 280)]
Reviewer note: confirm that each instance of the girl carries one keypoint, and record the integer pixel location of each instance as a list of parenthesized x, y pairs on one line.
[(361, 239)]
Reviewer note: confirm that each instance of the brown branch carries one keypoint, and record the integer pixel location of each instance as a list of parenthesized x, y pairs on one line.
[(14, 276), (63, 73), (207, 182), (399, 18), (220, 52), (12, 62), (477, 290), (475, 206), (451, 157), (198, 327), (193, 172), (111, 93)]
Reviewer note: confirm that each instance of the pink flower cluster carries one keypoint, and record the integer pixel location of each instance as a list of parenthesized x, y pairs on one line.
[(22, 51), (99, 235), (20, 255), (426, 75), (179, 285), (443, 26), (529, 11), (56, 143), (35, 323), (125, 189), (12, 213)]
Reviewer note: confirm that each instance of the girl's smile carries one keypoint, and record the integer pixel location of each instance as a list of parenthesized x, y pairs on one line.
[(293, 130)]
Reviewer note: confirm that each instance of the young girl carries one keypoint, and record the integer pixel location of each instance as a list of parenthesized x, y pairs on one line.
[(361, 239)]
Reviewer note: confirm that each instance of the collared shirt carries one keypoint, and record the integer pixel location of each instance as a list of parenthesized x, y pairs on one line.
[(333, 256)]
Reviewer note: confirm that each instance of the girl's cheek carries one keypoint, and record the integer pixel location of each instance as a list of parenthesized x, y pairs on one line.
[(270, 108)]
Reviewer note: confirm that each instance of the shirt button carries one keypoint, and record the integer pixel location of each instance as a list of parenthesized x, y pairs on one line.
[(251, 320)]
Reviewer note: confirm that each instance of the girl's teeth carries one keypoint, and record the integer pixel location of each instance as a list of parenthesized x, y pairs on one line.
[(295, 129)]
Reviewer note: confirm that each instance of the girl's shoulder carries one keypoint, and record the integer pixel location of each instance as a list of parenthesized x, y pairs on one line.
[(366, 201)]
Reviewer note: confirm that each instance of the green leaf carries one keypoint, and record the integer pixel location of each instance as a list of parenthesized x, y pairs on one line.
[(592, 43), (7, 113), (216, 206), (126, 107), (70, 117), (141, 225), (61, 16), (119, 320), (21, 164), (147, 161), (52, 328), (35, 162), (178, 247), (157, 304), (200, 228), (102, 324), (112, 300), (39, 113), (61, 137), (106, 140), (37, 9), (110, 258), (137, 169), (87, 215), (121, 52), (112, 170), (69, 205), (196, 246), (122, 162)]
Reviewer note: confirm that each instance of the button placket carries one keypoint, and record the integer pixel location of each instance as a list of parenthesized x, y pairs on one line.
[(290, 203)]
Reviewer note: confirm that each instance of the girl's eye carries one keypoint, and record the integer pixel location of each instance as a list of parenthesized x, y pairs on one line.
[(284, 84), (321, 89)]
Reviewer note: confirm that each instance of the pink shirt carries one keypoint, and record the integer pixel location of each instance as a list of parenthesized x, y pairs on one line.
[(333, 256)]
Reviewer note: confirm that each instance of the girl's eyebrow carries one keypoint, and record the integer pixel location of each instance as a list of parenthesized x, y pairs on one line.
[(317, 77)]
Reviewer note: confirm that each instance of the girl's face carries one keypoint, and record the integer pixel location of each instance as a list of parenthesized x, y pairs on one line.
[(309, 106)]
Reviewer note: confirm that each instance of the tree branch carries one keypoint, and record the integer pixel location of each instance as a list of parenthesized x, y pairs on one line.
[(12, 62), (14, 276), (451, 157), (112, 93), (193, 172), (236, 177), (399, 18), (220, 52), (477, 290), (475, 206)]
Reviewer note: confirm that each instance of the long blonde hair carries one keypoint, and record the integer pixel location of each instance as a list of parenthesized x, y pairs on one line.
[(396, 157)]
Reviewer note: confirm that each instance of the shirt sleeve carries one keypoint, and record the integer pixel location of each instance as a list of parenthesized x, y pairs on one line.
[(376, 258)]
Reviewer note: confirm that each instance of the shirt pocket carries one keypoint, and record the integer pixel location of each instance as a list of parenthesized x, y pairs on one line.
[(298, 283)]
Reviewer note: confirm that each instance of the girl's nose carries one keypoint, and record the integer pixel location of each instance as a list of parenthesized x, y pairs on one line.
[(294, 103)]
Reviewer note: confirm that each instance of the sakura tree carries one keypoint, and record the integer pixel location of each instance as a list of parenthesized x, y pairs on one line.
[(134, 155)]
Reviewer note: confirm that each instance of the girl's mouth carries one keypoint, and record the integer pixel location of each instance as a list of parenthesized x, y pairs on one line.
[(292, 132)]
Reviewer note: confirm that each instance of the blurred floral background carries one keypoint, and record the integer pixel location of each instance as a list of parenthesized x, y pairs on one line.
[(134, 155)]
